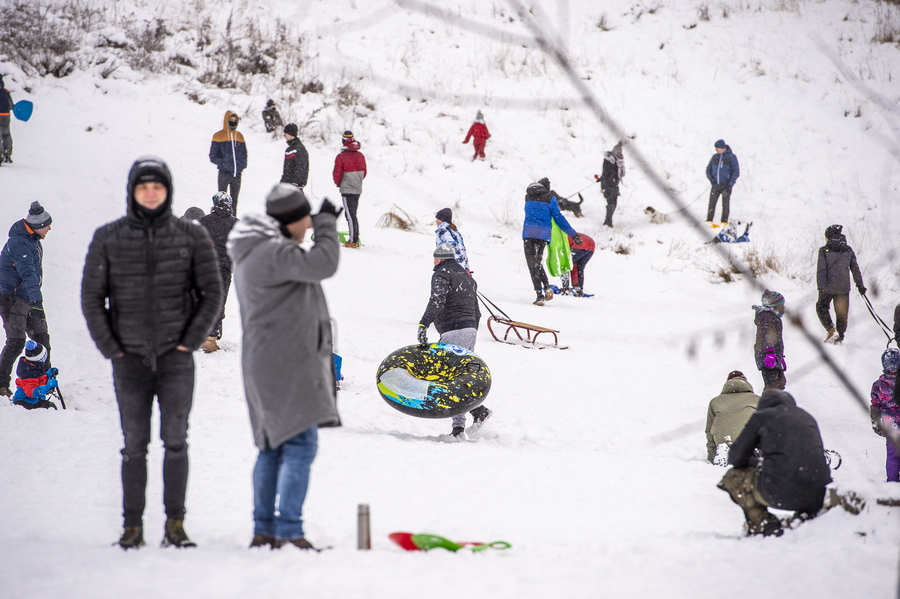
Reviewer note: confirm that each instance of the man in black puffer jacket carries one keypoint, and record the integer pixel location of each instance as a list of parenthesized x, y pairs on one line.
[(837, 261), (150, 293), (453, 308), (793, 474)]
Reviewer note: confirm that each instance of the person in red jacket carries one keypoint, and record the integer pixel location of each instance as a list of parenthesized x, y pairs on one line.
[(581, 254), (480, 133), (349, 172)]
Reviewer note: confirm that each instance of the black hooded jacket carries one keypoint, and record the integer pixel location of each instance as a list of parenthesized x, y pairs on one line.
[(150, 283), (296, 164), (837, 261), (453, 303), (794, 473), (219, 223)]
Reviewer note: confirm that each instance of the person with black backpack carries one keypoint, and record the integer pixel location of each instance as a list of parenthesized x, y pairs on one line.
[(837, 262)]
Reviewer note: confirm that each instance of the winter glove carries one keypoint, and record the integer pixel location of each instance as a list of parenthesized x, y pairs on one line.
[(577, 239), (423, 336), (596, 177), (329, 208), (862, 290), (51, 384)]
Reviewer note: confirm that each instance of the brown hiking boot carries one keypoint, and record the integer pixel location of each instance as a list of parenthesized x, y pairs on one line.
[(132, 538), (5, 391), (210, 345), (548, 294), (350, 244), (262, 541), (175, 535), (300, 543)]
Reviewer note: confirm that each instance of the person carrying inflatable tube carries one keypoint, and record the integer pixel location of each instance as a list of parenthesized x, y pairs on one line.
[(453, 308)]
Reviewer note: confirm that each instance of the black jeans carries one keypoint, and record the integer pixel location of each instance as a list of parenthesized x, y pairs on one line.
[(351, 203), (20, 320), (534, 258), (841, 308), (714, 193), (226, 180), (226, 285), (612, 200), (137, 382)]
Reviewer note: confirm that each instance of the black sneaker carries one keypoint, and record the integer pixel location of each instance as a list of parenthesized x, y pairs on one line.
[(540, 299), (772, 528), (457, 432), (175, 535), (132, 538)]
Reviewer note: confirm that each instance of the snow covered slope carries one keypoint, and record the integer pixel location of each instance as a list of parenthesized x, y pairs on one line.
[(593, 465)]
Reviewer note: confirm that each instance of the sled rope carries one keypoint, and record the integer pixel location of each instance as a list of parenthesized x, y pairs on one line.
[(486, 301), (883, 325), (582, 189)]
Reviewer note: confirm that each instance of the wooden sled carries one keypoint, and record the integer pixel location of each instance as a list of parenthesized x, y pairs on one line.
[(513, 326)]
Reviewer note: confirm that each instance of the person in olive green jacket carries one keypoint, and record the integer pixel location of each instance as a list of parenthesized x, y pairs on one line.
[(728, 413)]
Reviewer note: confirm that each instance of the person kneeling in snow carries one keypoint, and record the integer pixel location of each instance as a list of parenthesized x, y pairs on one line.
[(793, 473), (34, 380)]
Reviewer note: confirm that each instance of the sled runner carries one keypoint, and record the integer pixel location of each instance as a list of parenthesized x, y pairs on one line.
[(498, 322)]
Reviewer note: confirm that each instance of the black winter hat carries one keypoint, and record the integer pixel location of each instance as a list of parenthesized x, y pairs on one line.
[(833, 231), (721, 144), (444, 214), (292, 129), (270, 102), (149, 169), (287, 204), (38, 218), (545, 182)]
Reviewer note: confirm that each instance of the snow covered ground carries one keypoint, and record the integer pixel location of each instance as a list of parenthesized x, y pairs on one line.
[(593, 465)]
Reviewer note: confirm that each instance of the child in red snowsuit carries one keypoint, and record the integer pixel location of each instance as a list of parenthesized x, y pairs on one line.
[(581, 254), (480, 133)]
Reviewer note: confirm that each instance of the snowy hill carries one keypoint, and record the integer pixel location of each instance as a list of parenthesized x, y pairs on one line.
[(593, 465)]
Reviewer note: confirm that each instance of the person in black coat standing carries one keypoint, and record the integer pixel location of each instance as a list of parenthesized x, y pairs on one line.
[(793, 473), (453, 308), (836, 263), (768, 350), (219, 223), (150, 294), (296, 159), (613, 173)]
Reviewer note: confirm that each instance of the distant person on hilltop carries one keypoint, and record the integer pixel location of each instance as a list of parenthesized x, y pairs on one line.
[(769, 347), (541, 210), (348, 174), (447, 232), (479, 135), (229, 153), (613, 173), (21, 299), (219, 223), (726, 416), (296, 159), (6, 108), (271, 118), (836, 263), (722, 171)]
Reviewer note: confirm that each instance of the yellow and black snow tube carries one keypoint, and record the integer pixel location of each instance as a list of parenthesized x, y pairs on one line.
[(437, 381)]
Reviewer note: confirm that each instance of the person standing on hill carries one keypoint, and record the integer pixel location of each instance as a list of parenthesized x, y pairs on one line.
[(479, 135), (229, 153), (296, 160), (722, 171), (271, 117), (6, 108), (150, 294), (447, 232), (769, 347), (727, 415), (348, 174), (219, 223), (836, 263), (541, 210), (21, 299), (613, 173)]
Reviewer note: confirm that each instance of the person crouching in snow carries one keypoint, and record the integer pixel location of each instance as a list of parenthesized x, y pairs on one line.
[(479, 135), (34, 381), (727, 415), (885, 411), (453, 308), (447, 232), (582, 252)]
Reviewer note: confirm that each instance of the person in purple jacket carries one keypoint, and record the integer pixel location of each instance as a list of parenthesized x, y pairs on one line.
[(541, 210), (885, 412)]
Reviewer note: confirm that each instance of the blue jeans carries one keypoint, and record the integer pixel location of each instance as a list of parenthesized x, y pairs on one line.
[(280, 481)]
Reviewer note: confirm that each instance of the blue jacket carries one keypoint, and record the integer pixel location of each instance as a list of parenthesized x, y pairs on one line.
[(723, 169), (21, 270), (228, 150), (540, 210)]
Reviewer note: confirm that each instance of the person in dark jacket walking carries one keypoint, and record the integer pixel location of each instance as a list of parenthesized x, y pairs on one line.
[(286, 358), (453, 308), (296, 158), (769, 347), (722, 171), (612, 175), (793, 474), (219, 223), (6, 108), (228, 152), (348, 174), (836, 263), (21, 299), (541, 210), (150, 294), (271, 117)]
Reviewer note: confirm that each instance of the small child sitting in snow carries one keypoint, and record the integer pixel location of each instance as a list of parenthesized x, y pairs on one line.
[(730, 234), (34, 382), (885, 412)]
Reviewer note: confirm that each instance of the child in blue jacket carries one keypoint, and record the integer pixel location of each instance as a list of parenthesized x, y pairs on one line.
[(34, 381)]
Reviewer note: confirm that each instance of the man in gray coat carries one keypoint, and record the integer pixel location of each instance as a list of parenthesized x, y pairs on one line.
[(727, 415), (286, 355), (836, 263)]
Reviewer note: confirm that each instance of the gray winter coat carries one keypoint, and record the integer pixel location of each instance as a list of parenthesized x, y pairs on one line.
[(286, 349), (836, 261), (728, 413)]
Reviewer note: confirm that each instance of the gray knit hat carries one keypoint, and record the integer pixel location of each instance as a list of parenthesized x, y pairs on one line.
[(38, 218), (772, 299), (444, 252), (287, 204)]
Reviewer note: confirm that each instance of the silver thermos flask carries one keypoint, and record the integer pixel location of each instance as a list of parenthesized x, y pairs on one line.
[(363, 527)]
